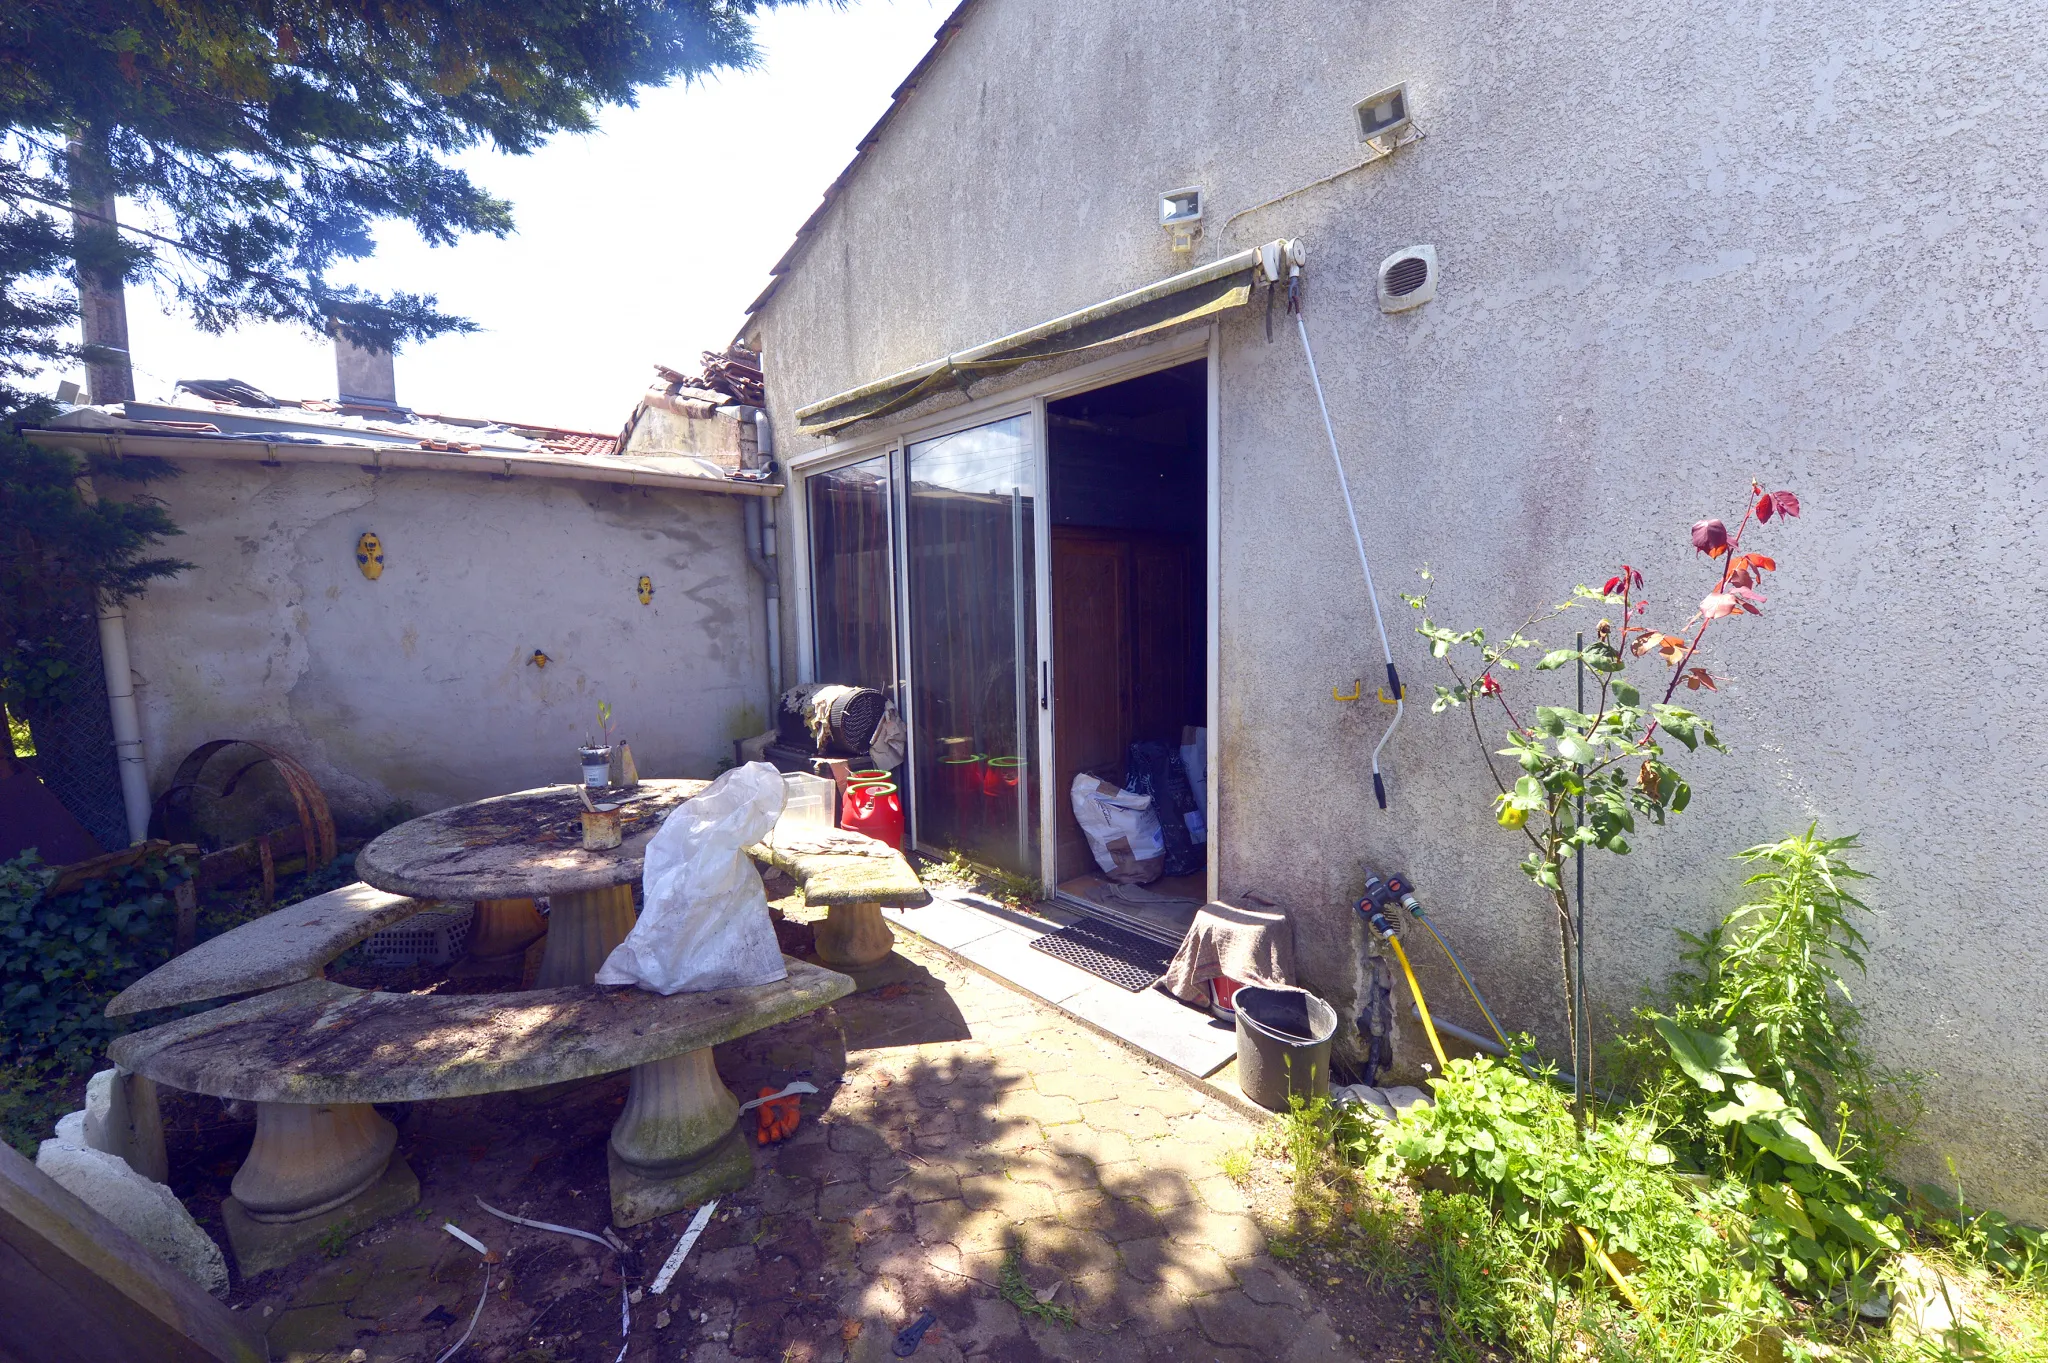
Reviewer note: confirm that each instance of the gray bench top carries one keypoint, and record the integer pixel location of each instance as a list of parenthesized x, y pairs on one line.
[(283, 947), (321, 1042), (838, 866)]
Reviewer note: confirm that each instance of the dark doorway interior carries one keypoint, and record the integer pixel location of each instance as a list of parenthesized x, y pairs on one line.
[(1129, 502)]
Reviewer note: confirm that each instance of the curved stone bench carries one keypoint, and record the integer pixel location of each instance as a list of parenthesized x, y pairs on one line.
[(315, 1056), (282, 947), (851, 876)]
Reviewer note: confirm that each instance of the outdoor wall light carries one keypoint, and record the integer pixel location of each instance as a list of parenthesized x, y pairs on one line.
[(1381, 117), (1180, 213)]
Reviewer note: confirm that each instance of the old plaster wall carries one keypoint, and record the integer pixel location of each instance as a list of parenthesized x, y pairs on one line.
[(417, 688), (1680, 247)]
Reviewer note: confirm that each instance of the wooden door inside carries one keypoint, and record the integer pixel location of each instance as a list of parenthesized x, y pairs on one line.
[(1127, 657)]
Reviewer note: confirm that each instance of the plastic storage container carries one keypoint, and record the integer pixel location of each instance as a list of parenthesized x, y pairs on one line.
[(806, 805), (1283, 1044)]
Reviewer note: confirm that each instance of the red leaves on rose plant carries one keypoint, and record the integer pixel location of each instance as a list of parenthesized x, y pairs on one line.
[(1710, 537), (1776, 503), (1611, 586), (1670, 647), (1697, 677), (1487, 685), (1718, 604), (1762, 562), (1628, 579)]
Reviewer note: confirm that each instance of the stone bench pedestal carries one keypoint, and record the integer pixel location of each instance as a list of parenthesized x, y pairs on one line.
[(678, 1143), (314, 1170)]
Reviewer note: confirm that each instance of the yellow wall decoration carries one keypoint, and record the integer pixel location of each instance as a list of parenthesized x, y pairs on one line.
[(370, 555), (646, 590)]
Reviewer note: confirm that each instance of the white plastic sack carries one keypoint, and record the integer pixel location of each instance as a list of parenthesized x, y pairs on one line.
[(705, 922), (1122, 830)]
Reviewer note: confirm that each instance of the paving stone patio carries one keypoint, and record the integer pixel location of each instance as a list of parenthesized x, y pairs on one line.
[(958, 1121)]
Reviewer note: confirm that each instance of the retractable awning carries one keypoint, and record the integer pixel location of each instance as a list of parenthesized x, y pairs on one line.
[(1195, 293)]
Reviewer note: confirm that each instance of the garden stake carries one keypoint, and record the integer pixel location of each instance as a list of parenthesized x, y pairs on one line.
[(1582, 1076)]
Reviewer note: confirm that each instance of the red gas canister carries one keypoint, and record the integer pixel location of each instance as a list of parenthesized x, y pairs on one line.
[(871, 807)]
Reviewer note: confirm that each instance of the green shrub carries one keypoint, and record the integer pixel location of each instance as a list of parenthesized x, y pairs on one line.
[(1772, 1087), (63, 956)]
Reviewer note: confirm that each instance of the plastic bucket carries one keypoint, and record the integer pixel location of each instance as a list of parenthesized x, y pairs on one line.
[(1283, 1044), (872, 808)]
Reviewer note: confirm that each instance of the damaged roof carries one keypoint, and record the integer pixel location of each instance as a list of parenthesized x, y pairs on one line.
[(232, 420)]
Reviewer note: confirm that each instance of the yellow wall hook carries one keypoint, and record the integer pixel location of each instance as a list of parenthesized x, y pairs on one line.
[(1357, 690), (370, 555), (646, 590), (1386, 699)]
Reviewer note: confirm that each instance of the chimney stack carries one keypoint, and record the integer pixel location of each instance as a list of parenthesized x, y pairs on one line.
[(363, 376)]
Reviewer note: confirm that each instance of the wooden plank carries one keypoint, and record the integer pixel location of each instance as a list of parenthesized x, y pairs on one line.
[(321, 1042), (74, 1288)]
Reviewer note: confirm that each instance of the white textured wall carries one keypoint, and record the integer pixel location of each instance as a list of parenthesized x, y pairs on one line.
[(416, 687), (1680, 247)]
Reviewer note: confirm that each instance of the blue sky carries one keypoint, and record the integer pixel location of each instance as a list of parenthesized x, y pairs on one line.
[(638, 244)]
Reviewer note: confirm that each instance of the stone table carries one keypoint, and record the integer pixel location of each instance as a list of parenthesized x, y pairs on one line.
[(504, 851)]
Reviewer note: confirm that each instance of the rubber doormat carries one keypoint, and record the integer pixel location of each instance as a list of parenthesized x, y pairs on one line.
[(1123, 958)]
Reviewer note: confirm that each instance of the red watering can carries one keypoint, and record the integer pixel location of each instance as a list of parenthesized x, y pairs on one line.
[(871, 807)]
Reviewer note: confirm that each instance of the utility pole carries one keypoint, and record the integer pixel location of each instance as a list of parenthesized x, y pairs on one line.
[(102, 299)]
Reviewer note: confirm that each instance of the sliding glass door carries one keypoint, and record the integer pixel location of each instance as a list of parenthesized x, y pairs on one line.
[(970, 568), (853, 579)]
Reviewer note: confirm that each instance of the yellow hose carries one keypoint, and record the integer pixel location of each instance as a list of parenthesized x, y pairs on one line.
[(1420, 1006), (1613, 1271)]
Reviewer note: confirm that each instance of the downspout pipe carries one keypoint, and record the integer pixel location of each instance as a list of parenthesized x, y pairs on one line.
[(760, 537), (128, 756), (127, 723)]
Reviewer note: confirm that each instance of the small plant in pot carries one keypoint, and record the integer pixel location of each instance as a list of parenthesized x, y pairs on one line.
[(596, 757)]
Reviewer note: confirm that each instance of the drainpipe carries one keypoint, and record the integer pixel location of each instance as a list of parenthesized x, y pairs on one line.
[(120, 676), (127, 724), (760, 536)]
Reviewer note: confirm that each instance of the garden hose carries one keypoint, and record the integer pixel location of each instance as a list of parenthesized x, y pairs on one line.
[(1620, 1283), (1459, 966), (1394, 940)]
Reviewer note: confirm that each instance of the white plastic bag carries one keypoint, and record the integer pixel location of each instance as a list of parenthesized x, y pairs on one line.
[(705, 923), (1122, 830)]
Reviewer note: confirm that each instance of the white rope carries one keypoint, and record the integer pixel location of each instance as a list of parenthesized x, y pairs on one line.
[(1358, 538), (675, 1258), (625, 1306)]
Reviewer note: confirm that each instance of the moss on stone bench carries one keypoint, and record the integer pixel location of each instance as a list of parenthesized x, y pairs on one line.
[(293, 943), (840, 867), (321, 1042)]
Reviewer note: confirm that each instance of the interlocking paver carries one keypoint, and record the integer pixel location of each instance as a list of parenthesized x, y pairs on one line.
[(958, 1122)]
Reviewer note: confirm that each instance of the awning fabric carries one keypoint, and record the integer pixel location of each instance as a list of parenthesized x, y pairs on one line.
[(1184, 297)]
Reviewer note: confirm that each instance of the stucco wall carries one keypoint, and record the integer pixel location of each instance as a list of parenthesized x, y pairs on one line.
[(416, 688), (1680, 247)]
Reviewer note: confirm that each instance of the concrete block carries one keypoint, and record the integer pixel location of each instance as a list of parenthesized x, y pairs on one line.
[(263, 1245), (148, 1211), (636, 1197)]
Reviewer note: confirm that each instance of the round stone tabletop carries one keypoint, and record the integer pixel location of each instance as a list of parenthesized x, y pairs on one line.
[(519, 845)]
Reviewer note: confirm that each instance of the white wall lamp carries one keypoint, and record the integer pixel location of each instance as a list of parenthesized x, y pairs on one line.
[(1382, 117), (1180, 213)]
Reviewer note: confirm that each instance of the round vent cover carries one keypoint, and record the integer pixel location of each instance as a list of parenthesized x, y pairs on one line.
[(1407, 274), (1408, 279)]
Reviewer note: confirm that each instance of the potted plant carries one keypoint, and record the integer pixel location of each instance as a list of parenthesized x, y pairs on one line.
[(596, 758)]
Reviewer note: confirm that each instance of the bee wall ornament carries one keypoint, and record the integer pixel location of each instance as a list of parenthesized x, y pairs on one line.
[(370, 555), (646, 590)]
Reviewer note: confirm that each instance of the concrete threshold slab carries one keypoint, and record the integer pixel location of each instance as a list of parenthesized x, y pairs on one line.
[(997, 942)]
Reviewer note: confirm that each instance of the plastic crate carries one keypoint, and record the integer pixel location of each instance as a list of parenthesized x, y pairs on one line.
[(433, 936)]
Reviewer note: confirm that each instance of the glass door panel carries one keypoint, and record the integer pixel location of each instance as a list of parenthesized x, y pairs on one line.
[(971, 600), (852, 575)]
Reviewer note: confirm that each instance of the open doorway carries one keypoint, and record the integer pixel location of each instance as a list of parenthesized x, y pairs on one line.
[(1128, 472)]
